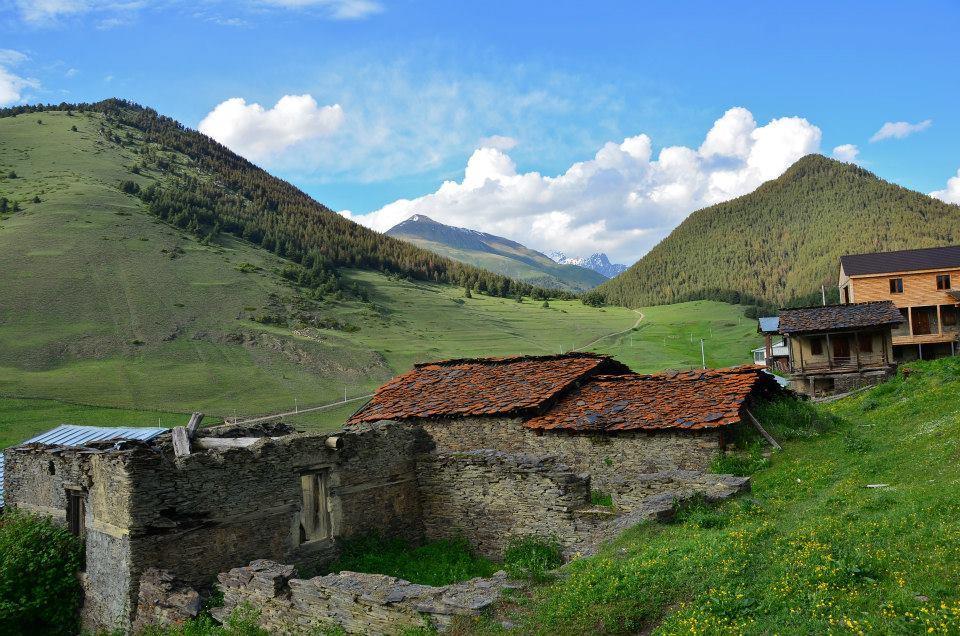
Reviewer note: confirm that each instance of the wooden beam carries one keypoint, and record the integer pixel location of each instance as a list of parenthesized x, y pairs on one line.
[(181, 442), (194, 424), (939, 322), (767, 436)]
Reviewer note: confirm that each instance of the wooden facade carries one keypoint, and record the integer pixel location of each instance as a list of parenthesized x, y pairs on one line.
[(924, 297)]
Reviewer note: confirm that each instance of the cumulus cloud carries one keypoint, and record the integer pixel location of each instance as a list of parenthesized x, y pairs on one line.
[(621, 201), (950, 194), (846, 152), (900, 129), (258, 133), (12, 86)]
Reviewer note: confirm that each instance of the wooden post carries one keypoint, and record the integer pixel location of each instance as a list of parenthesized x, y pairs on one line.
[(767, 436), (856, 345), (939, 323), (194, 424), (829, 356), (181, 442), (910, 319)]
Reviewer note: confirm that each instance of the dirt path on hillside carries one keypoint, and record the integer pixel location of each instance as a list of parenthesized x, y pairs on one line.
[(616, 333)]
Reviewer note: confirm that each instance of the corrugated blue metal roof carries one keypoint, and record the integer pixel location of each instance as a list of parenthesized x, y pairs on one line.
[(74, 435), (769, 324)]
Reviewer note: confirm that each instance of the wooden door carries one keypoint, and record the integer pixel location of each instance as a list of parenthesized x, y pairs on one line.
[(841, 349), (921, 323)]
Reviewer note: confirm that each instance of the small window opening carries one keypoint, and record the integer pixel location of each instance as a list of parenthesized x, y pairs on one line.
[(896, 285), (75, 512), (315, 512), (816, 346), (51, 468), (866, 343), (943, 281)]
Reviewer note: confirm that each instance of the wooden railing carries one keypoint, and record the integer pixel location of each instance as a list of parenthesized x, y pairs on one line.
[(845, 363)]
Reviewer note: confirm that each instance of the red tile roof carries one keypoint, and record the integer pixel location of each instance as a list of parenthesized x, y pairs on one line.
[(521, 385), (689, 400)]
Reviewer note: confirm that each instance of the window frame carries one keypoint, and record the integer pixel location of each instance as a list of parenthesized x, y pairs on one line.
[(865, 338), (816, 346), (943, 282), (896, 285), (315, 521), (76, 511)]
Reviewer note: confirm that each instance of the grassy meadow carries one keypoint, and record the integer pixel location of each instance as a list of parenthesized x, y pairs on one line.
[(852, 528), (105, 306)]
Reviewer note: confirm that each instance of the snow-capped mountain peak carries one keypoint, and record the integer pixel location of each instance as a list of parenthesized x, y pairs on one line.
[(598, 262)]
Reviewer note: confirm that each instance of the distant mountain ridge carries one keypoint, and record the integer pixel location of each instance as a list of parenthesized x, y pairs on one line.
[(494, 253), (598, 262), (779, 243)]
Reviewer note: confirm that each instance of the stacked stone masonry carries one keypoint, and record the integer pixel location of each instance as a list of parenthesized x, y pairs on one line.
[(359, 603), (156, 525)]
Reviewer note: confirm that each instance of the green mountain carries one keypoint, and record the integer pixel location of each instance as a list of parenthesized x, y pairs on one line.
[(494, 253), (135, 275), (778, 244)]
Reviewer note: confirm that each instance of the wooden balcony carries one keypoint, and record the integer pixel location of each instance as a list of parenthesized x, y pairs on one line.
[(927, 338), (852, 364)]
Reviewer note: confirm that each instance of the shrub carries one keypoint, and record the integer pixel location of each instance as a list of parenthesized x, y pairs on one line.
[(600, 498), (532, 557), (39, 589), (593, 299), (243, 621)]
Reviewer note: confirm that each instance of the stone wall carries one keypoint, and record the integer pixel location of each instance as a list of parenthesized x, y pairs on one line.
[(489, 496), (216, 509), (610, 459), (359, 603), (37, 479)]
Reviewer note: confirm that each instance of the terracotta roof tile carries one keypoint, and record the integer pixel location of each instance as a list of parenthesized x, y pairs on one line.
[(686, 401), (520, 385)]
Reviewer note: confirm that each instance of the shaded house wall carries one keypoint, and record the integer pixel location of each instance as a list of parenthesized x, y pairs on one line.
[(801, 348), (211, 511), (609, 458)]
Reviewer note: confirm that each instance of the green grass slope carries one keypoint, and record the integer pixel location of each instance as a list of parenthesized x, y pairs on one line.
[(781, 242), (105, 305), (494, 253), (814, 549)]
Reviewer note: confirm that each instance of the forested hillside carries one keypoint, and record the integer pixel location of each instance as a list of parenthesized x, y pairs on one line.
[(118, 291), (778, 244), (224, 192)]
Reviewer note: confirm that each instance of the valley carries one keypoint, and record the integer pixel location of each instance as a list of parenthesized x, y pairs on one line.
[(106, 306)]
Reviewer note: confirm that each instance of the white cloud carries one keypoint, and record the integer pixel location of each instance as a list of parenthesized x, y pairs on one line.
[(118, 12), (41, 11), (623, 200), (336, 9), (950, 194), (12, 86), (258, 133), (500, 142), (846, 152), (900, 129)]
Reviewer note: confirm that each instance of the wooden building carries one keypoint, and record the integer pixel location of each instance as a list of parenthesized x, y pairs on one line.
[(837, 348), (924, 284)]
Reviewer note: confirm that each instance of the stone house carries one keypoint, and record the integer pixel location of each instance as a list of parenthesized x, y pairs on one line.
[(587, 410), (486, 449)]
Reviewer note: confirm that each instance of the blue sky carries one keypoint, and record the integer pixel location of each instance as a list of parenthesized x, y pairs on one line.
[(403, 94)]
